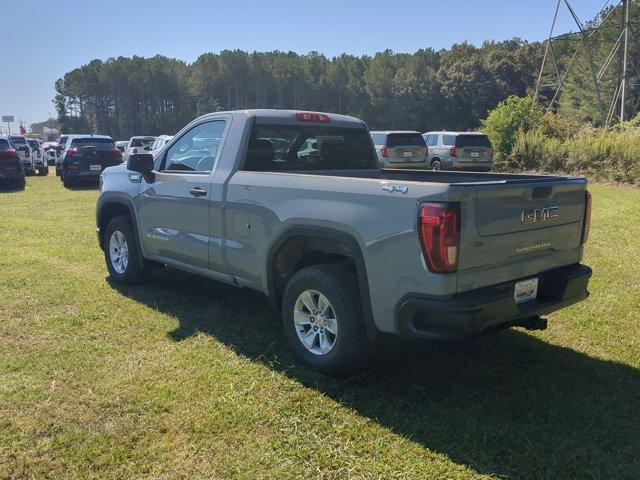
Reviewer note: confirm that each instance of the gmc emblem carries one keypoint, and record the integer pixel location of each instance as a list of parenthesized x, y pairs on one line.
[(539, 214)]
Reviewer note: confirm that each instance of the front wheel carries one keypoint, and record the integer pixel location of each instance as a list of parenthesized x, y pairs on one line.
[(121, 252), (323, 321)]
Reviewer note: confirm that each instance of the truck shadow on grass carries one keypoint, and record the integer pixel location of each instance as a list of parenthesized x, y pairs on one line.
[(503, 404)]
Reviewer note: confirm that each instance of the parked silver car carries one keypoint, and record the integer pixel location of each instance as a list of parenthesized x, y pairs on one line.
[(400, 149), (459, 151)]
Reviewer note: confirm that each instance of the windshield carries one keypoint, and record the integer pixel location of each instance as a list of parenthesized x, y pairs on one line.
[(472, 141), (309, 147)]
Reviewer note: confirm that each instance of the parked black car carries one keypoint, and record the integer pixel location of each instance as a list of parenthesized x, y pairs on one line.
[(87, 156)]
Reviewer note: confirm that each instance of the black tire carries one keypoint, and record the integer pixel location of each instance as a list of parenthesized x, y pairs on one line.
[(133, 273), (339, 285), (44, 171), (436, 164), (67, 182), (57, 172), (20, 183)]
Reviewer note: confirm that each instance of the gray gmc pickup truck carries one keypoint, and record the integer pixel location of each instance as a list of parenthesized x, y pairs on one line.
[(292, 204)]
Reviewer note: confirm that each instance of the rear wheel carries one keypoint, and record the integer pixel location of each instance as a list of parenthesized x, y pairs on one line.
[(20, 183), (57, 172), (323, 320), (121, 252), (66, 181), (436, 164)]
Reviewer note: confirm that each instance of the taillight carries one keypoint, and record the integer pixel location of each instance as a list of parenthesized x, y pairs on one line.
[(116, 153), (8, 154), (312, 117), (384, 151), (439, 227), (586, 226), (70, 152), (453, 151)]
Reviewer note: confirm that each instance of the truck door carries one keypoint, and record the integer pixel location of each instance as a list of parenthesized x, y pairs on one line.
[(175, 207)]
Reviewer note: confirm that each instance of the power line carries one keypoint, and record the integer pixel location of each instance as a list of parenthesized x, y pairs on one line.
[(587, 47)]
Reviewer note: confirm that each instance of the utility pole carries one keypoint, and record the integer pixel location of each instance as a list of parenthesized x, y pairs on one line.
[(625, 60), (613, 79)]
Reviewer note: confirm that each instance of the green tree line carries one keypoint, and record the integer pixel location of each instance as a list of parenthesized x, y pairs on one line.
[(452, 88)]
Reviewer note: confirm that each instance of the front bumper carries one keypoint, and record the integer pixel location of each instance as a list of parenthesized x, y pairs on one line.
[(470, 313)]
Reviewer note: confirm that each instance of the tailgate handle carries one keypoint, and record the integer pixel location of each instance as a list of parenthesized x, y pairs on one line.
[(541, 192)]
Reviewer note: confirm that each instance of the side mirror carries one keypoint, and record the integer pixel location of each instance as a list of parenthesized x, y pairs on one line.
[(141, 163)]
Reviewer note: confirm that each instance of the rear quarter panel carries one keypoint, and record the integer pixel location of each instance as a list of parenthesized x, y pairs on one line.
[(382, 223)]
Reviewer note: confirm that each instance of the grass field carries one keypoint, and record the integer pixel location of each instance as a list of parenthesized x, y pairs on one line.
[(186, 378)]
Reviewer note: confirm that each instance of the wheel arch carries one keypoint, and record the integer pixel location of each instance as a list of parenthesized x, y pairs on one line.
[(290, 248), (110, 207)]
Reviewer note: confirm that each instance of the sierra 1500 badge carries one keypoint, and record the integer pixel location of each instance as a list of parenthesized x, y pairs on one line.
[(539, 214)]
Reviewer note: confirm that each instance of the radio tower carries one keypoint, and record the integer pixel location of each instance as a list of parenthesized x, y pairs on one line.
[(608, 65)]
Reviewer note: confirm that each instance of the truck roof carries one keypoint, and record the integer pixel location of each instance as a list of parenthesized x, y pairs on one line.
[(266, 115), (387, 132), (448, 132)]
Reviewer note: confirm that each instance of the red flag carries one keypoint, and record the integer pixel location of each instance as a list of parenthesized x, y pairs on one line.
[(22, 130)]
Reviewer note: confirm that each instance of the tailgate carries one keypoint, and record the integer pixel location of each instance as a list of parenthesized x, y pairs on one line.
[(524, 226)]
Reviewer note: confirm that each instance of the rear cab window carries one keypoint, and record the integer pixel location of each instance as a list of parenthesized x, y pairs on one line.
[(463, 141), (309, 147), (405, 140), (4, 145)]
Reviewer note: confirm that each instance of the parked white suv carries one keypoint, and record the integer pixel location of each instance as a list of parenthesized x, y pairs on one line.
[(38, 160), (459, 151), (141, 144), (25, 154)]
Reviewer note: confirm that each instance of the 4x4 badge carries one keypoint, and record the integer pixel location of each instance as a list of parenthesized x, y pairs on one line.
[(396, 188)]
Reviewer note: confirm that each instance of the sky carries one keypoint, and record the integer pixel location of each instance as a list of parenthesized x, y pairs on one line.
[(60, 35)]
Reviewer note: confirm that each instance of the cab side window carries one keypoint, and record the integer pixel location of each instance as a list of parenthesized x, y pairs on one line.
[(197, 150), (448, 140)]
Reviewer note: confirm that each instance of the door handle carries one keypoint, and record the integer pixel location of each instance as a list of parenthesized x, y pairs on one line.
[(198, 192)]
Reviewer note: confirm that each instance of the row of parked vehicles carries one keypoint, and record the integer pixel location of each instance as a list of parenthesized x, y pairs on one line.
[(82, 157), (442, 150), (21, 156)]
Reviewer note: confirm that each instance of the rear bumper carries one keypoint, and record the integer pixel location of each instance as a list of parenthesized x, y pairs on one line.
[(470, 313), (473, 167), (14, 175)]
